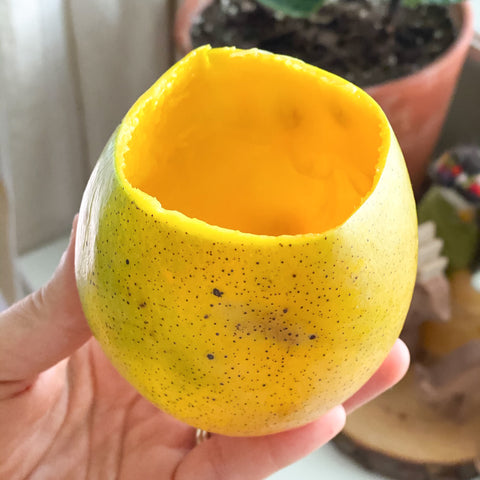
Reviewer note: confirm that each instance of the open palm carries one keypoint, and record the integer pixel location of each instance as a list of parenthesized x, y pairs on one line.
[(65, 413)]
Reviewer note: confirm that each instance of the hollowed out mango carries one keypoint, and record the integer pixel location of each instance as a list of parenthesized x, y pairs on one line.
[(246, 249)]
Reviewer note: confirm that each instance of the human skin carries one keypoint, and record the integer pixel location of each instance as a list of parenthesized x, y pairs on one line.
[(66, 413)]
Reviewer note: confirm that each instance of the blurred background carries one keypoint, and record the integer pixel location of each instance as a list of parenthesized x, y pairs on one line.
[(69, 71)]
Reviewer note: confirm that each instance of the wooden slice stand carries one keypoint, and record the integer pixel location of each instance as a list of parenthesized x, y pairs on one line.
[(399, 436)]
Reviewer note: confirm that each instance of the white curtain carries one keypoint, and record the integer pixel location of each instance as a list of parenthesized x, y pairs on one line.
[(69, 70)]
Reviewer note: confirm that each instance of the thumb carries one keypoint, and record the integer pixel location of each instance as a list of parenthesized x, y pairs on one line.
[(45, 327)]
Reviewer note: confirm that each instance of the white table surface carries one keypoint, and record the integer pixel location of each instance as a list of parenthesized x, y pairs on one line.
[(327, 463)]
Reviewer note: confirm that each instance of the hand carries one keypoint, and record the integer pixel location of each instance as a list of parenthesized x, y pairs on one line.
[(65, 413)]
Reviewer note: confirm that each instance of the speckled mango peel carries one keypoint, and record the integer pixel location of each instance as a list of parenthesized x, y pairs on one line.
[(246, 245)]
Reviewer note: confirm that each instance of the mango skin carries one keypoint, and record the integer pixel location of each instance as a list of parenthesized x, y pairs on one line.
[(244, 334)]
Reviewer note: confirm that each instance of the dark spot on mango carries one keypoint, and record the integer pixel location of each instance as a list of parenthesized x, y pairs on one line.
[(210, 356), (217, 292)]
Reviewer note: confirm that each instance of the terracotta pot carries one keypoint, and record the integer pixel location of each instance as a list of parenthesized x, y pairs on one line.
[(416, 105)]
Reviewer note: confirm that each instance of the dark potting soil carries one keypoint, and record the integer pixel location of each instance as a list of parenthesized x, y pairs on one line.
[(350, 38)]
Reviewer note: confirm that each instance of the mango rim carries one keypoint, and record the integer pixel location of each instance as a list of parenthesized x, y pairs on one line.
[(152, 205)]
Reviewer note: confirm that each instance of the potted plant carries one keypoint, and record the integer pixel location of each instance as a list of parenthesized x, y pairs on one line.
[(382, 39)]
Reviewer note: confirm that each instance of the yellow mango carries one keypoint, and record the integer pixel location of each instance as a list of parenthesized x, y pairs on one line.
[(246, 247)]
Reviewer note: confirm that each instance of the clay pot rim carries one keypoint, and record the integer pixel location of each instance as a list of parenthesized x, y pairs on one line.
[(189, 9), (461, 44), (475, 47), (184, 17)]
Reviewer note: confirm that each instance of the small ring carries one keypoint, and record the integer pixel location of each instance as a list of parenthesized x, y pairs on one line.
[(201, 436)]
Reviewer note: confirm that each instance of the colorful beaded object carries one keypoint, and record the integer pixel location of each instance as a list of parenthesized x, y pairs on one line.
[(459, 168)]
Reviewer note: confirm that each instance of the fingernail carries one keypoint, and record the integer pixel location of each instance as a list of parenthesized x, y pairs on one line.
[(337, 417), (74, 225)]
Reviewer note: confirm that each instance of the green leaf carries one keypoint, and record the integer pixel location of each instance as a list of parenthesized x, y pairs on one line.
[(460, 235), (294, 8)]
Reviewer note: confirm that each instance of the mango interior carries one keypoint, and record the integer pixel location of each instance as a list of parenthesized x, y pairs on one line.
[(246, 143), (246, 246)]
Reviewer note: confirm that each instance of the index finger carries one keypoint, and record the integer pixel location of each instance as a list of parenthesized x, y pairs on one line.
[(45, 327)]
